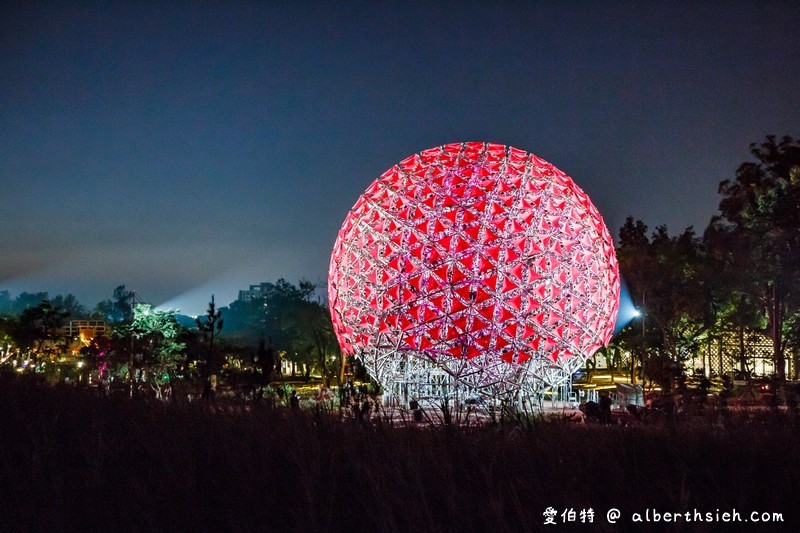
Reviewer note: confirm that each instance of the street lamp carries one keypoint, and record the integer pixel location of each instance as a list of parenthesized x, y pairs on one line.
[(641, 313)]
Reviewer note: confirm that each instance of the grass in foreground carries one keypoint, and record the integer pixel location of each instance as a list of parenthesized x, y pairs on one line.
[(72, 461)]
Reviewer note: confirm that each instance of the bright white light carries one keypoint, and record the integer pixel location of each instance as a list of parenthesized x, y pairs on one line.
[(627, 310)]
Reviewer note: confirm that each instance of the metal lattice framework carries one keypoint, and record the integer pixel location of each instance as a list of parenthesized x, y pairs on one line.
[(473, 267)]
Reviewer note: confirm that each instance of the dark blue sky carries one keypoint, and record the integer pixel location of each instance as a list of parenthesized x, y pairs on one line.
[(198, 148)]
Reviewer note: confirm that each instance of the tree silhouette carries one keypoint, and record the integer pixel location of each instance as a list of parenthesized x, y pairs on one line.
[(118, 310), (37, 330), (265, 359), (210, 324), (757, 239), (667, 277)]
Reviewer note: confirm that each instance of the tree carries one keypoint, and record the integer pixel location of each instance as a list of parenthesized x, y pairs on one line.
[(6, 304), (737, 305), (210, 325), (757, 239), (300, 327), (317, 330), (245, 319), (155, 354), (292, 322), (71, 306), (26, 300), (265, 360), (37, 330), (8, 324), (667, 276), (97, 352), (156, 333), (118, 310)]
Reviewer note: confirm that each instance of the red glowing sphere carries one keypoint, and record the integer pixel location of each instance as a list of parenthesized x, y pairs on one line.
[(475, 251)]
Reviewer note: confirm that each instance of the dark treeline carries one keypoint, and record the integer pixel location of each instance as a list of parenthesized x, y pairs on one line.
[(737, 281)]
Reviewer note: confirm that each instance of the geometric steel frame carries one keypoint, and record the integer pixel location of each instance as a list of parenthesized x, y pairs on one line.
[(473, 268)]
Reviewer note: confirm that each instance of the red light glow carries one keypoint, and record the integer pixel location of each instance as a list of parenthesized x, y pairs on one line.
[(476, 256)]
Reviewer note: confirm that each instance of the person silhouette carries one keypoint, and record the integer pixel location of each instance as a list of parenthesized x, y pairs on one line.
[(605, 408)]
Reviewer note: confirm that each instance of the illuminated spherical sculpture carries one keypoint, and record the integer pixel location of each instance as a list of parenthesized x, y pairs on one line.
[(473, 267)]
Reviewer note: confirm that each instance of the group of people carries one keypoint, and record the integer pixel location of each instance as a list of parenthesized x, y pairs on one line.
[(600, 410), (352, 398), (322, 395)]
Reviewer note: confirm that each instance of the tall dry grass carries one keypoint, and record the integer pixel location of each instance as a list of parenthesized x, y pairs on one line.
[(73, 461)]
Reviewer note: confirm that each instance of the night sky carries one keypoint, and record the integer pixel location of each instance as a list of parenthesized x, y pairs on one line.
[(199, 148)]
